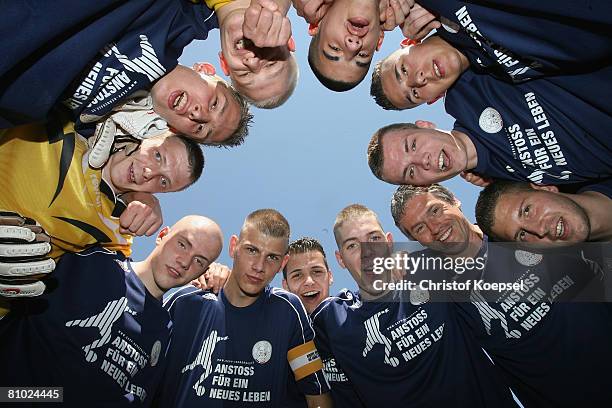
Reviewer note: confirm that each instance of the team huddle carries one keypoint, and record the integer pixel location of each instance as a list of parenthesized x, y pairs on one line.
[(526, 83)]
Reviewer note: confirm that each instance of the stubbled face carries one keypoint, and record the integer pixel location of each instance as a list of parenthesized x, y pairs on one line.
[(183, 255), (538, 216), (257, 73), (436, 224), (420, 73), (309, 278), (347, 39), (200, 107), (159, 165), (421, 156), (351, 235), (257, 258)]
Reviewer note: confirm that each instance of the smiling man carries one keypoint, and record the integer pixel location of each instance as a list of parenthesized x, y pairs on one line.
[(520, 343), (524, 212), (558, 153), (52, 182), (398, 348), (104, 316), (306, 273), (251, 346), (122, 48)]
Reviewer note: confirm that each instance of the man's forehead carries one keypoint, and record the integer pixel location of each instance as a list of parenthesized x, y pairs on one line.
[(359, 225), (306, 259), (264, 242)]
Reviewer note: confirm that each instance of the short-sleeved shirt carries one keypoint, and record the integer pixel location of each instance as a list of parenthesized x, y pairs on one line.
[(523, 40), (98, 55), (535, 131), (222, 355), (539, 336), (47, 177), (406, 352), (96, 331)]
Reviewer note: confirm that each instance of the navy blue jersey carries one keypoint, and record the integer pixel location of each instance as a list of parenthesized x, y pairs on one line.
[(405, 353), (98, 54), (97, 332), (553, 353), (521, 41), (536, 131), (222, 355)]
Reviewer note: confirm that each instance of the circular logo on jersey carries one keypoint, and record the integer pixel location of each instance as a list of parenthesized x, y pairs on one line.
[(262, 351), (449, 26), (155, 351), (419, 296), (490, 121), (527, 258)]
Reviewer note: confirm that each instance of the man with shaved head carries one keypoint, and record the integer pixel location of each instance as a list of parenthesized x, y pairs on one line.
[(102, 318)]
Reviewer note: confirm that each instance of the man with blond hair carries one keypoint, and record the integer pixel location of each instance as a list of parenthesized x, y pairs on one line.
[(253, 344)]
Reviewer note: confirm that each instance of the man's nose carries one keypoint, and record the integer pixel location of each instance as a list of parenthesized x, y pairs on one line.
[(352, 42), (196, 113), (420, 78), (258, 264), (309, 280), (253, 63)]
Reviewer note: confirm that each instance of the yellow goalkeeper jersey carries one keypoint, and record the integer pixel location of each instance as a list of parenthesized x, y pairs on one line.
[(45, 176)]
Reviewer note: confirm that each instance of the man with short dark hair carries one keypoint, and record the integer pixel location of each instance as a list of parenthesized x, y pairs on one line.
[(534, 335), (80, 206), (252, 345), (524, 212), (397, 348), (103, 320), (346, 34), (306, 273), (560, 153)]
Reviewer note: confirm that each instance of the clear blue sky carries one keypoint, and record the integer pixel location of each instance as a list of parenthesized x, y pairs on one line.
[(306, 159)]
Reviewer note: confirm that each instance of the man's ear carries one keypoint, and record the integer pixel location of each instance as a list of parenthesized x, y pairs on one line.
[(339, 259), (164, 231), (380, 40), (204, 68), (407, 42), (553, 189), (313, 29), (232, 245), (223, 63), (425, 124), (291, 44), (330, 277), (285, 286), (285, 260)]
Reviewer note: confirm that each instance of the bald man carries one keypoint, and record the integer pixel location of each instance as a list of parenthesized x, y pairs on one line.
[(101, 318)]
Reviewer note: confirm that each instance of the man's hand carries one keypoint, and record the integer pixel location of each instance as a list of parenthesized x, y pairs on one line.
[(476, 179), (419, 23), (214, 278), (24, 249), (142, 216), (266, 25), (394, 12), (312, 10)]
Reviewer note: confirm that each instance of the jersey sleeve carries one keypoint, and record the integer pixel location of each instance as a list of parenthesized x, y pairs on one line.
[(342, 391), (303, 356)]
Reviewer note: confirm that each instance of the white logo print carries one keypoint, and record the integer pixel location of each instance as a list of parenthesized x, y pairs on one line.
[(146, 64), (203, 359), (488, 314), (526, 258), (262, 351), (103, 321), (374, 336), (490, 120)]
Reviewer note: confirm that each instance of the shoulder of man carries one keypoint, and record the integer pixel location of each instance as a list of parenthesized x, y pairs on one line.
[(188, 294), (345, 299)]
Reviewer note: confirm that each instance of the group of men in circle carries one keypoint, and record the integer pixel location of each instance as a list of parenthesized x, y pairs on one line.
[(121, 120)]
